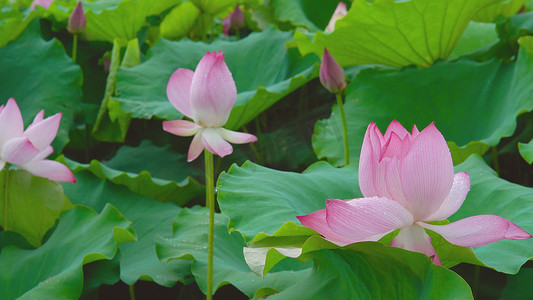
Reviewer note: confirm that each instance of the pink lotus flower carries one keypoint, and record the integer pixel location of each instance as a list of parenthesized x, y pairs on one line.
[(44, 3), (338, 14), (28, 148), (235, 20), (77, 20), (331, 74), (207, 96), (407, 180)]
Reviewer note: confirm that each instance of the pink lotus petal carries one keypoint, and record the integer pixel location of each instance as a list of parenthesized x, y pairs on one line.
[(196, 147), (427, 173), (11, 122), (2, 164), (478, 230), (43, 154), (181, 127), (179, 91), (338, 14), (397, 128), (236, 137), (370, 152), (38, 118), (18, 151), (393, 147), (42, 134), (1, 108), (454, 200), (50, 169), (394, 182), (317, 222), (414, 238), (331, 74), (415, 132), (214, 142), (213, 91), (365, 219), (44, 3)]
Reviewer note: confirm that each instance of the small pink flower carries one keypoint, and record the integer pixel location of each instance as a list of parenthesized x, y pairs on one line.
[(44, 3), (207, 96), (331, 74), (235, 20), (407, 180), (28, 148), (338, 14), (77, 20)]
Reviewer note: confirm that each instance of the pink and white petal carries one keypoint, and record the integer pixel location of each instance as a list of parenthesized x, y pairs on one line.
[(397, 128), (454, 200), (414, 133), (393, 147), (43, 133), (414, 238), (11, 122), (179, 90), (50, 169), (478, 230), (18, 151), (196, 147), (38, 118), (427, 173), (368, 161), (44, 153), (213, 91), (394, 182), (365, 218), (214, 143), (317, 222), (181, 127), (236, 137)]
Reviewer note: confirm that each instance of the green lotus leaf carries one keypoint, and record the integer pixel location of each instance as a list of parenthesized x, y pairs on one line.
[(55, 270), (526, 150), (395, 33)]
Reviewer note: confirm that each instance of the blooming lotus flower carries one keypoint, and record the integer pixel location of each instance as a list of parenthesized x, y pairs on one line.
[(207, 96), (235, 20), (407, 180), (28, 148), (44, 3), (338, 14), (331, 74), (77, 20)]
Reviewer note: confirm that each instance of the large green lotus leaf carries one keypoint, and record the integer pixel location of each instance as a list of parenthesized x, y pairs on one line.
[(367, 271), (54, 271), (138, 260), (141, 181), (107, 20), (278, 197), (33, 204), (526, 150), (313, 15), (263, 69), (519, 285), (189, 242), (214, 7), (179, 21), (13, 23), (395, 33), (504, 8), (474, 104), (476, 37), (490, 194), (39, 75)]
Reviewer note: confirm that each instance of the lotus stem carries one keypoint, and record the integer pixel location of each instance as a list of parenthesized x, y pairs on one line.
[(210, 203), (344, 129), (495, 160), (74, 47), (6, 199), (132, 291)]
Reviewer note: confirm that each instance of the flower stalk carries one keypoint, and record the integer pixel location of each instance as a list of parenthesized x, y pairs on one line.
[(6, 202), (74, 47), (210, 203), (344, 128)]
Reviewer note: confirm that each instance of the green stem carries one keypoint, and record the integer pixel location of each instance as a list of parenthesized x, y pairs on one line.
[(132, 292), (495, 160), (6, 199), (210, 203), (344, 128), (74, 47), (475, 282)]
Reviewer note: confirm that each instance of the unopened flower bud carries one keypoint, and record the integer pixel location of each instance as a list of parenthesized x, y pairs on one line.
[(331, 74), (77, 21)]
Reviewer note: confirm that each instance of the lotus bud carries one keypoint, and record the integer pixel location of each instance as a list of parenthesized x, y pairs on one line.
[(77, 21), (331, 74)]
